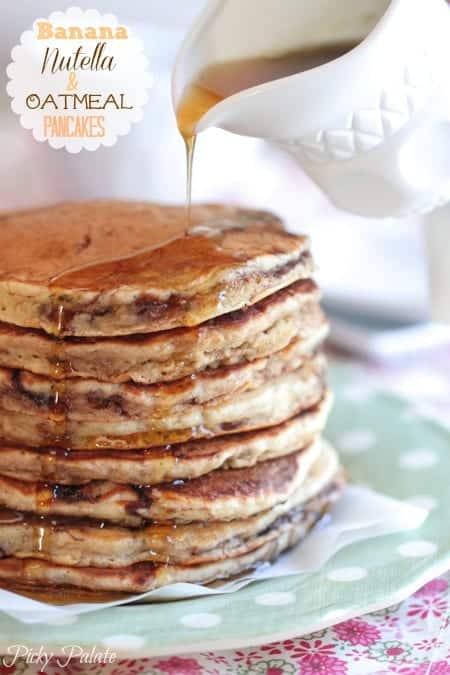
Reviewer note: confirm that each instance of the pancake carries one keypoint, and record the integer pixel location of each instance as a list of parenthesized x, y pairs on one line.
[(119, 268), (146, 576), (83, 543), (214, 558), (224, 494), (164, 464), (87, 400), (234, 338), (270, 404), (117, 549)]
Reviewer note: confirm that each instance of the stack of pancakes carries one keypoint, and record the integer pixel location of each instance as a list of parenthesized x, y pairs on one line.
[(162, 395)]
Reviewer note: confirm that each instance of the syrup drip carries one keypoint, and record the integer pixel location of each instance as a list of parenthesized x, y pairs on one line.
[(42, 528), (44, 497), (58, 403), (49, 461), (40, 534)]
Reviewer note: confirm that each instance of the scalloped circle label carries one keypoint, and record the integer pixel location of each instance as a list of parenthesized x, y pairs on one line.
[(79, 79)]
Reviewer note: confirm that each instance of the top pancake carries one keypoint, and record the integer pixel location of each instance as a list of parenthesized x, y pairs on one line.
[(118, 268)]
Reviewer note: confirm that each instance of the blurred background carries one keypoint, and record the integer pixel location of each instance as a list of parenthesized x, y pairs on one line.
[(372, 272)]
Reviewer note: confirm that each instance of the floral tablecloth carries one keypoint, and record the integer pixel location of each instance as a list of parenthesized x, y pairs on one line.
[(412, 638)]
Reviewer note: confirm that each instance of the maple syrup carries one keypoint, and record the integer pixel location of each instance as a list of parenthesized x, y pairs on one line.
[(40, 538), (197, 101), (49, 464), (221, 80), (44, 497), (171, 247)]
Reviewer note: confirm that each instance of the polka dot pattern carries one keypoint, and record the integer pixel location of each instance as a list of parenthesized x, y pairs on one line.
[(347, 574), (275, 599), (418, 459), (417, 549), (201, 620), (356, 441)]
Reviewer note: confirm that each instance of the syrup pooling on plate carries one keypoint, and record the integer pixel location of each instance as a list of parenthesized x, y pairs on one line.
[(221, 80)]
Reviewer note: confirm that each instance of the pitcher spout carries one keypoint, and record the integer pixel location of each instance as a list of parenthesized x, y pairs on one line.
[(238, 34)]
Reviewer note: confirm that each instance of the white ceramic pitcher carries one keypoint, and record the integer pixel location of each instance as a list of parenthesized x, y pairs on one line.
[(372, 127)]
